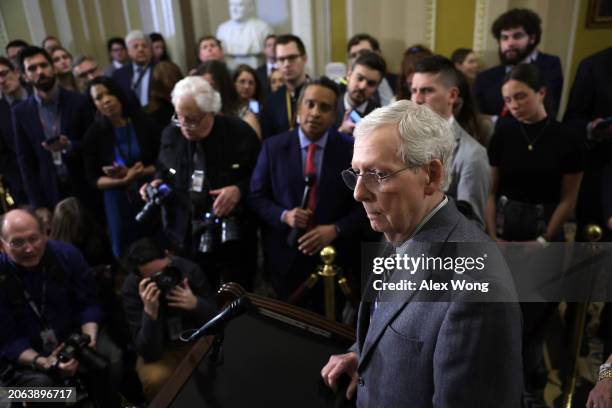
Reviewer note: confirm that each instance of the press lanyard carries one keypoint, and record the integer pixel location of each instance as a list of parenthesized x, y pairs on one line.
[(39, 313), (290, 117)]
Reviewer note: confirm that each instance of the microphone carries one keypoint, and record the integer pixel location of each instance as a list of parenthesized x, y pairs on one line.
[(295, 233), (234, 309)]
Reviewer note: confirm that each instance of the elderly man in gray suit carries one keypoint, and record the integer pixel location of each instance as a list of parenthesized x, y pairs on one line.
[(411, 353), (435, 83)]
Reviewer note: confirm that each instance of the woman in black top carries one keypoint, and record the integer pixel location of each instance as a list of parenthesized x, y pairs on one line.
[(536, 163), (120, 150)]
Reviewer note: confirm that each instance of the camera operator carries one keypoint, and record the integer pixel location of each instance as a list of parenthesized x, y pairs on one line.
[(212, 157), (47, 305), (162, 297)]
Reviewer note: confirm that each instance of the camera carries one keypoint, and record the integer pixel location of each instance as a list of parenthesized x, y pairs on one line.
[(214, 230), (156, 196), (77, 347), (167, 278)]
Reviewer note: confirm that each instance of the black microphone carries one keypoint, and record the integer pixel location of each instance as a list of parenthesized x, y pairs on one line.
[(234, 309), (295, 233)]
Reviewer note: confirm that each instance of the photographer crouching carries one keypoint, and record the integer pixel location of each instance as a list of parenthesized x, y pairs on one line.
[(49, 315), (162, 297), (210, 158)]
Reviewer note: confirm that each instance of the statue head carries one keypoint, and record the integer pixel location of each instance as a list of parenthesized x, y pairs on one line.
[(241, 10)]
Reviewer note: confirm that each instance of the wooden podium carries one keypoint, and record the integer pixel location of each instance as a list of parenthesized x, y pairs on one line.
[(271, 357)]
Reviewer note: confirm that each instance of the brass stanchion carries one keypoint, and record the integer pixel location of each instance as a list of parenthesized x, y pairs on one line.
[(329, 272), (593, 234), (6, 200)]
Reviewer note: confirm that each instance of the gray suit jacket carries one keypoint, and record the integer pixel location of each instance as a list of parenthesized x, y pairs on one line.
[(471, 174), (438, 353)]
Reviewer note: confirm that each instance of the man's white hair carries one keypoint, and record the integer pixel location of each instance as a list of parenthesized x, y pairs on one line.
[(136, 35), (196, 87), (424, 135)]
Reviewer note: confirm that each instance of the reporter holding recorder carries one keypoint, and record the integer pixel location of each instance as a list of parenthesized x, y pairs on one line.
[(120, 150)]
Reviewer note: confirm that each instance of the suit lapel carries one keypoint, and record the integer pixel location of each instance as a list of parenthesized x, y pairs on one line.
[(436, 231), (295, 172)]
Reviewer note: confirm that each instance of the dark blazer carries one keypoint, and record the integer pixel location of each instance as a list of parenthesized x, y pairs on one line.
[(123, 76), (591, 94), (99, 144), (488, 84), (262, 75), (230, 152), (340, 111), (9, 168), (438, 353), (274, 119), (277, 184), (36, 163)]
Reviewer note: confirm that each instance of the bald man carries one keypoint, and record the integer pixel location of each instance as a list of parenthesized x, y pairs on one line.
[(45, 288)]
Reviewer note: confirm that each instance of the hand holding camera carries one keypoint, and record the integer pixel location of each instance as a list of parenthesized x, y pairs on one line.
[(182, 297), (149, 293), (226, 200)]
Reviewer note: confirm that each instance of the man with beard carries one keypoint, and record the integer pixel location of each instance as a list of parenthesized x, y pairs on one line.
[(49, 126), (357, 99), (518, 32)]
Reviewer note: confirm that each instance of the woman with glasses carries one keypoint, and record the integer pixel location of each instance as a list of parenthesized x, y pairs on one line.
[(536, 169), (217, 75), (120, 149)]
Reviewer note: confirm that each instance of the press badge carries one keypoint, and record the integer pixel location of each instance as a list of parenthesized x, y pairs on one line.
[(57, 158), (175, 328), (49, 340), (197, 181)]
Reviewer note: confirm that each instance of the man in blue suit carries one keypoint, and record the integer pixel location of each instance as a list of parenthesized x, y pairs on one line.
[(518, 32), (135, 78), (49, 126), (278, 181)]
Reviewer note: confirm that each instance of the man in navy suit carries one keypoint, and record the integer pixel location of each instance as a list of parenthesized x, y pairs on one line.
[(280, 108), (278, 181), (12, 93), (265, 69), (136, 76), (518, 32), (49, 127)]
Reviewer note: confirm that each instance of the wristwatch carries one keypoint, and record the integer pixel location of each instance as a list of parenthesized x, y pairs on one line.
[(605, 371)]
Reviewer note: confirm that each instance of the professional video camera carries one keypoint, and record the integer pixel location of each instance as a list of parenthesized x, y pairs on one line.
[(214, 230), (156, 196), (77, 347), (167, 278)]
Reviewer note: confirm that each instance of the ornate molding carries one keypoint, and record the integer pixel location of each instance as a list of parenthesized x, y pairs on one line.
[(430, 23), (4, 38), (480, 26)]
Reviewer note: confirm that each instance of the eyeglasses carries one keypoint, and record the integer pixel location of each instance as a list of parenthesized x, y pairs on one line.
[(186, 123), (373, 180), (289, 58), (19, 243)]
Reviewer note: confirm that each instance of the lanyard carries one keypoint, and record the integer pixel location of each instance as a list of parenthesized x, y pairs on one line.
[(136, 84), (39, 313), (290, 117)]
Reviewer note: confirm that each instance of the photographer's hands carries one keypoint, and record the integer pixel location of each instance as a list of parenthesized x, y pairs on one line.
[(149, 293), (182, 297), (226, 199)]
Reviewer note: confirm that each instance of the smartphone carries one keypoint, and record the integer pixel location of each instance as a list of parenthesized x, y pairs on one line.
[(355, 117), (52, 140), (110, 171)]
